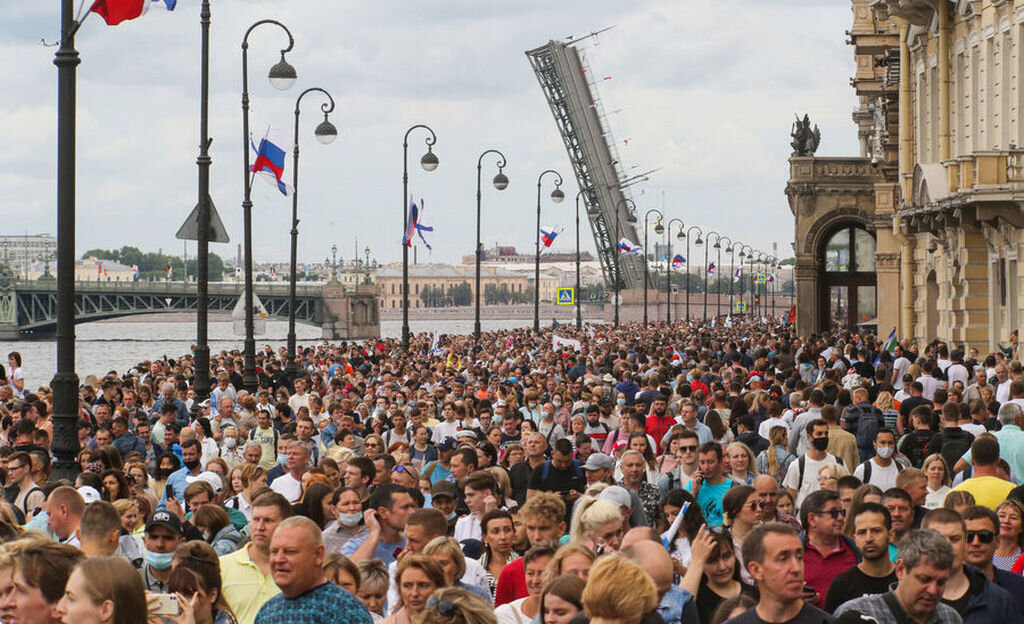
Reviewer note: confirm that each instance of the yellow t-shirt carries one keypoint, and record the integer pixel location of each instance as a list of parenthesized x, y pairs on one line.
[(987, 491), (244, 586)]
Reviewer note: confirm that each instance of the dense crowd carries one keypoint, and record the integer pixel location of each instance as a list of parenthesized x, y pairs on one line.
[(689, 474)]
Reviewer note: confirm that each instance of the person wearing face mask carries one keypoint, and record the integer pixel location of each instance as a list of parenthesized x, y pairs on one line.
[(547, 426), (802, 475), (162, 537), (229, 451), (531, 411), (881, 470), (349, 523)]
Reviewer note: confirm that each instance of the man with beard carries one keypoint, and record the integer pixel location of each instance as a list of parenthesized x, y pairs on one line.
[(923, 568), (875, 573), (658, 421)]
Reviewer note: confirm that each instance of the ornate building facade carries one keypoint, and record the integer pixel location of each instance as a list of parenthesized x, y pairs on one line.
[(923, 231)]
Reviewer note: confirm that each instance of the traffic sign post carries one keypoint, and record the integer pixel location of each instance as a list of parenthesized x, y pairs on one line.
[(741, 306), (566, 296)]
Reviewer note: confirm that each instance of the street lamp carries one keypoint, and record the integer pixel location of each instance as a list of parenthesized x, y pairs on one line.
[(556, 196), (774, 266), (732, 269), (579, 303), (698, 243), (501, 183), (325, 133), (745, 251), (429, 162), (618, 256), (668, 265), (717, 245), (656, 229), (281, 76)]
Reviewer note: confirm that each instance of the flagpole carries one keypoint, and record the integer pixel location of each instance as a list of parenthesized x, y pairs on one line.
[(718, 245), (500, 183), (660, 217), (668, 266), (325, 133), (282, 75), (65, 445), (201, 384), (698, 243), (429, 162), (556, 196)]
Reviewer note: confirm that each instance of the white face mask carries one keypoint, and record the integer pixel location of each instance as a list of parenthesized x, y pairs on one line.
[(885, 452)]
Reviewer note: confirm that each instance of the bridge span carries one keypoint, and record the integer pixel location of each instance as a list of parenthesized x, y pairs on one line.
[(28, 309)]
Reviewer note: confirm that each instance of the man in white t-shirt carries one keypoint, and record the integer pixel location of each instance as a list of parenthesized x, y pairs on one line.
[(900, 366), (880, 470), (957, 371), (300, 398), (802, 475), (289, 484)]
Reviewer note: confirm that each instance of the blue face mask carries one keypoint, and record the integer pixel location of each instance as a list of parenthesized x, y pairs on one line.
[(451, 516), (159, 561), (282, 458)]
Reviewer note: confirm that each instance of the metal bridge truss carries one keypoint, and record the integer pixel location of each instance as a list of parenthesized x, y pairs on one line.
[(563, 80), (36, 304)]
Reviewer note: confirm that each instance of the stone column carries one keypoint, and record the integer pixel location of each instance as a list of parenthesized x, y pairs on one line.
[(971, 305), (807, 278)]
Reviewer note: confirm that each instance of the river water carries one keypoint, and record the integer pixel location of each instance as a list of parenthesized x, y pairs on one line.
[(119, 345)]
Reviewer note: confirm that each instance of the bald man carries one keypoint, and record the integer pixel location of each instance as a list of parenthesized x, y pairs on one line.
[(675, 604), (296, 560)]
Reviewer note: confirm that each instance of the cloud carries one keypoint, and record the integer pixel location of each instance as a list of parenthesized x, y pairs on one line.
[(707, 90)]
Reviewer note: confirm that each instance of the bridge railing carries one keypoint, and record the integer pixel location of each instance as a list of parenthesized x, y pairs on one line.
[(228, 288)]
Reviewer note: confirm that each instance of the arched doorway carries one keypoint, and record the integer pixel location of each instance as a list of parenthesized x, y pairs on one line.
[(847, 261)]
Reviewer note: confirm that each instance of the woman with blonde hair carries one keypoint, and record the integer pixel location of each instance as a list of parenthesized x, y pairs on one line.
[(573, 559), (742, 464), (597, 524), (618, 592), (501, 476), (775, 460), (418, 577), (828, 476), (448, 554), (890, 414), (456, 606), (103, 590), (937, 471)]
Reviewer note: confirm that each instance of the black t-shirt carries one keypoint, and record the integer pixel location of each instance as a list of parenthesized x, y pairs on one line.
[(853, 583), (519, 476), (708, 600), (558, 481), (807, 615)]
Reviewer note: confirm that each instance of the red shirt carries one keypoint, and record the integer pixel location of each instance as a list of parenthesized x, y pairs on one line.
[(820, 569), (511, 583), (658, 427)]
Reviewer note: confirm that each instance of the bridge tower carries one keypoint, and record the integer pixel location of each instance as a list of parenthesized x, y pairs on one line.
[(585, 131)]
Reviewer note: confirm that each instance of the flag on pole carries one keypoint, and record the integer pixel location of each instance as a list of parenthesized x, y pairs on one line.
[(114, 12), (677, 261), (269, 156), (135, 271), (771, 278), (737, 274), (99, 269), (711, 269), (168, 270), (791, 317), (890, 342), (415, 228), (548, 235), (627, 248)]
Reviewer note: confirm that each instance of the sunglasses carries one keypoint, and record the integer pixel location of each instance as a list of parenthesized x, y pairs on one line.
[(835, 513), (985, 537), (755, 505), (688, 449)]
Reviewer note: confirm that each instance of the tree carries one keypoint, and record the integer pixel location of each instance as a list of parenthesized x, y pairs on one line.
[(461, 294)]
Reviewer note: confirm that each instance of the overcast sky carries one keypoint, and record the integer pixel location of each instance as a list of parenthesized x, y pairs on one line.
[(707, 88)]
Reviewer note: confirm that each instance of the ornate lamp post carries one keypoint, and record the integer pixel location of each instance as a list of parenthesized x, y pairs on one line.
[(744, 254), (732, 271), (325, 132), (366, 268), (282, 76), (501, 183), (333, 265), (556, 196), (429, 162), (668, 265), (658, 231), (698, 243)]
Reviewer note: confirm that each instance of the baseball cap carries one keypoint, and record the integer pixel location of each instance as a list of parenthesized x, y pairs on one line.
[(89, 494), (598, 461), (443, 488), (165, 519), (210, 477), (616, 494), (448, 444)]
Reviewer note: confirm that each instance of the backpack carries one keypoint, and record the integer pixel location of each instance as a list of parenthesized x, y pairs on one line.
[(802, 464), (867, 469), (869, 421)]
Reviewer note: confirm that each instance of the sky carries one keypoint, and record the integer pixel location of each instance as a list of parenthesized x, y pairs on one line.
[(707, 88)]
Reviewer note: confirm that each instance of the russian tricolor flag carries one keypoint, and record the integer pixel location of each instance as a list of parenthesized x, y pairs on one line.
[(269, 158), (114, 12), (627, 248), (414, 226), (711, 268), (548, 235), (677, 261)]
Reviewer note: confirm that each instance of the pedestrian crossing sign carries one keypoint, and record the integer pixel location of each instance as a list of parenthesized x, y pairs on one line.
[(566, 296)]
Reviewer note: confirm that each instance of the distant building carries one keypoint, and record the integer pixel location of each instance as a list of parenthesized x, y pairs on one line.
[(93, 270), (444, 277), (26, 254), (507, 255)]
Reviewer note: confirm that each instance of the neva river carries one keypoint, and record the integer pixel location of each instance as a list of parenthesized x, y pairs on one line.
[(119, 345)]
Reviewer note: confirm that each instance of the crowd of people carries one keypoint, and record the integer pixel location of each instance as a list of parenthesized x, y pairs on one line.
[(690, 473)]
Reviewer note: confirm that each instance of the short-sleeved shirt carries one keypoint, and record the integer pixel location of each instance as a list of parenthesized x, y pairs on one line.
[(987, 491), (244, 586), (710, 500), (324, 603), (807, 615), (810, 480), (385, 552)]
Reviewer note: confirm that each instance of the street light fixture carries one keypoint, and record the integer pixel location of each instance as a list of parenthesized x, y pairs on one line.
[(668, 266), (282, 75), (630, 212), (501, 183), (325, 133), (698, 243), (732, 269), (429, 162), (660, 217), (556, 196), (717, 245)]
